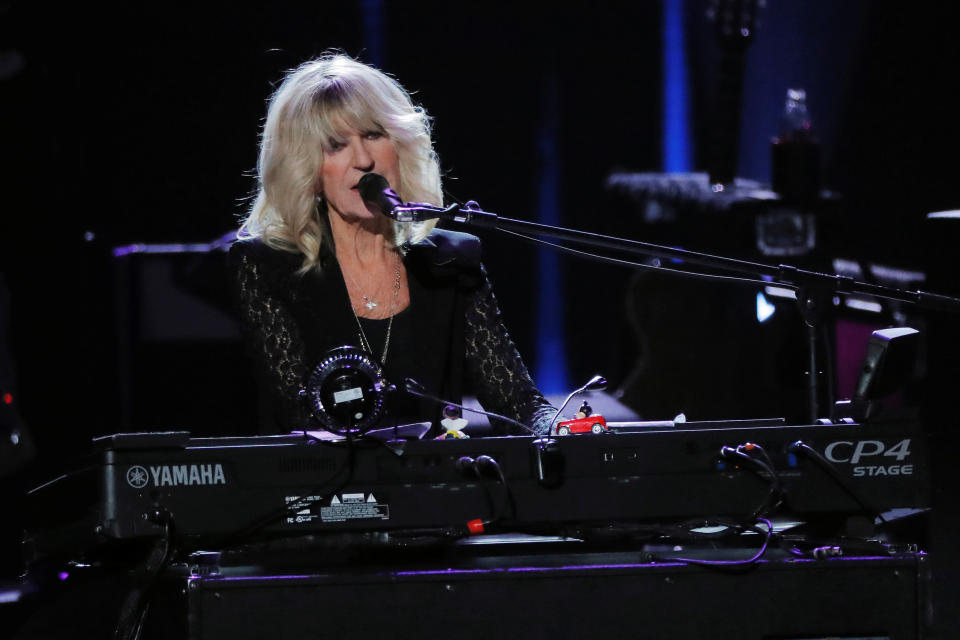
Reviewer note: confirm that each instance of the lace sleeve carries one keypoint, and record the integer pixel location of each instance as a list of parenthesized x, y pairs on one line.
[(272, 339), (495, 368)]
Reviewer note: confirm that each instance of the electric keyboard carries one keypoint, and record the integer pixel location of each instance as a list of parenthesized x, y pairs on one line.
[(136, 486)]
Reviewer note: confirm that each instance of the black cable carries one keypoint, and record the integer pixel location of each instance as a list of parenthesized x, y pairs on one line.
[(135, 607), (507, 495), (477, 467), (64, 476), (801, 447), (923, 298), (298, 505), (474, 467), (642, 265), (746, 447), (756, 465), (426, 396), (734, 564), (775, 497)]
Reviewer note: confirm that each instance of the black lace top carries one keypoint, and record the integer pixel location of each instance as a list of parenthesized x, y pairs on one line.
[(451, 338)]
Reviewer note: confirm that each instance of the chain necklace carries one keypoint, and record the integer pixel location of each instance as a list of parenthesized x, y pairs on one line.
[(364, 342), (368, 302)]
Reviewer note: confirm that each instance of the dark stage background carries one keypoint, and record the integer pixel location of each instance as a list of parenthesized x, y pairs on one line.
[(140, 125)]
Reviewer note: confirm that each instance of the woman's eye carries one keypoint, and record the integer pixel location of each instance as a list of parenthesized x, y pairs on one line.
[(335, 145), (373, 135)]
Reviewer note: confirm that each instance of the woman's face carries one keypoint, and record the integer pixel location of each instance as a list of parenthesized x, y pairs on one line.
[(348, 158)]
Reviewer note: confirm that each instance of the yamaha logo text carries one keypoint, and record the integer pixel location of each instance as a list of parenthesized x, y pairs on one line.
[(182, 475)]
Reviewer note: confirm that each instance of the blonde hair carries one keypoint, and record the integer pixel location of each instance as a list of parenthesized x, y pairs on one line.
[(311, 107)]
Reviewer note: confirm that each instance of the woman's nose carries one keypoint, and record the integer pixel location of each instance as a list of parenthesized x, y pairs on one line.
[(362, 158)]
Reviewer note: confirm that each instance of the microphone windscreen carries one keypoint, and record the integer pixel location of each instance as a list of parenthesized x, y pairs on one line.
[(371, 187), (377, 194)]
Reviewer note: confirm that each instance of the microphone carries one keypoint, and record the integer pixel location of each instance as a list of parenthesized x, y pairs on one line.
[(377, 194), (596, 383)]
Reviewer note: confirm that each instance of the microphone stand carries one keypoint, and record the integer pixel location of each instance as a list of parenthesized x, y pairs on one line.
[(814, 289)]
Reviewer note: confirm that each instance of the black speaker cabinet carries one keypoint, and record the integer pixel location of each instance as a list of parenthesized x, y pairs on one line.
[(597, 595), (180, 361)]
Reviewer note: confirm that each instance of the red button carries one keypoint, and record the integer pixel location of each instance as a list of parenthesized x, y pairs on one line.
[(475, 526)]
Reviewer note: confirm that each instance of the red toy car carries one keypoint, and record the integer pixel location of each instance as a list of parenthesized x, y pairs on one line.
[(591, 424)]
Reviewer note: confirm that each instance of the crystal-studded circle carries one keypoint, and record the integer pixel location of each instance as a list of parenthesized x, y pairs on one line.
[(347, 392)]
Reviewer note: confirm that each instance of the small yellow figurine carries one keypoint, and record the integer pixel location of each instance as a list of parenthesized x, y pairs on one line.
[(453, 422)]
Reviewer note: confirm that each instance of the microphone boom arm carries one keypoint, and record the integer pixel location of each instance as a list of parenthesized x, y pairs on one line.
[(813, 288), (783, 274)]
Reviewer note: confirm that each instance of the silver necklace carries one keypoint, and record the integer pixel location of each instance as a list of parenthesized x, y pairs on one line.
[(364, 342), (368, 302)]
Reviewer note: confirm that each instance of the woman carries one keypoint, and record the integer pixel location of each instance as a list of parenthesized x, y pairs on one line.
[(315, 269)]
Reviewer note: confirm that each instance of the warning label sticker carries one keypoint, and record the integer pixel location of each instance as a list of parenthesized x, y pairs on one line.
[(340, 508), (354, 506)]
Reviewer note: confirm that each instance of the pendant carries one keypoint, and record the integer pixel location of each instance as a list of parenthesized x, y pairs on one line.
[(368, 303)]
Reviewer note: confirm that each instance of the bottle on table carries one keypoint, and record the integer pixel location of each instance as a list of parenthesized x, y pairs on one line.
[(796, 152)]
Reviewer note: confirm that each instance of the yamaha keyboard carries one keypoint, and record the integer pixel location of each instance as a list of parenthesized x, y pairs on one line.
[(136, 486)]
